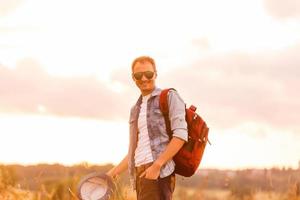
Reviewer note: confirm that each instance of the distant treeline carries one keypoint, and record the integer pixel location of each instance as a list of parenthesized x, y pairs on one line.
[(274, 179), (32, 177)]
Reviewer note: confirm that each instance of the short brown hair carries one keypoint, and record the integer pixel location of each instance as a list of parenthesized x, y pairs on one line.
[(143, 59)]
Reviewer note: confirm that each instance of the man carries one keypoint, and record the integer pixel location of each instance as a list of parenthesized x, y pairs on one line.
[(149, 158)]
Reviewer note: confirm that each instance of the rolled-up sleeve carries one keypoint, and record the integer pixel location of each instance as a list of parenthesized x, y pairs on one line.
[(177, 115)]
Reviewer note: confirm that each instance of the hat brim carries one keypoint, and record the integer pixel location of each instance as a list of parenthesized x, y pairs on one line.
[(95, 186)]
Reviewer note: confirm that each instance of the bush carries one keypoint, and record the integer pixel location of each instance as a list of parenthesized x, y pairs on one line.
[(7, 177)]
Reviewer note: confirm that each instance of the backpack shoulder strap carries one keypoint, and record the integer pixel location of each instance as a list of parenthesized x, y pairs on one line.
[(164, 107)]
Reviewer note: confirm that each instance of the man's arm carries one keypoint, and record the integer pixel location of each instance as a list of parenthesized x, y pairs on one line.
[(118, 169)]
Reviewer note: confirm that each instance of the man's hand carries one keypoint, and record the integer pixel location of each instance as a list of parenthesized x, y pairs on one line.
[(111, 173), (152, 172), (121, 167)]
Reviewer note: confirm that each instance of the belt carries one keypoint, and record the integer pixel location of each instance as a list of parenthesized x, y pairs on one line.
[(142, 168)]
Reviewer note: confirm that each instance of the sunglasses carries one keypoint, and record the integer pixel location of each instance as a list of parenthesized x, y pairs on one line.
[(148, 74)]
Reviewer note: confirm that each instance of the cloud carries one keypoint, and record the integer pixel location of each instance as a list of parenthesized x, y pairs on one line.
[(202, 43), (283, 9), (238, 88), (8, 29), (29, 89), (229, 90), (7, 46), (8, 6)]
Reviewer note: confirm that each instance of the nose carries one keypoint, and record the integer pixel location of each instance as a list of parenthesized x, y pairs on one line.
[(144, 78)]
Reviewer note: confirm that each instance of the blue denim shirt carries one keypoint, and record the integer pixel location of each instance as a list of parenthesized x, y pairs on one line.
[(158, 136)]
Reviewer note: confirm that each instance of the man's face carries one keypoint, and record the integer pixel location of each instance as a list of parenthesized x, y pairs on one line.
[(146, 85)]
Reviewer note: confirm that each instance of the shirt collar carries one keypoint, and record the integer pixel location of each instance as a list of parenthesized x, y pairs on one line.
[(155, 92)]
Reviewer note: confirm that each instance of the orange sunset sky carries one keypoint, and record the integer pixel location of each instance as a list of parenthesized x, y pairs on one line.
[(66, 90)]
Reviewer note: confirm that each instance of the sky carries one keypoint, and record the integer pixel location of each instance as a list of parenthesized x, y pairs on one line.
[(66, 87)]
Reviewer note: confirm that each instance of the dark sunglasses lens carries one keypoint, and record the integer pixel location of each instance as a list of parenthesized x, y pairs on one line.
[(138, 75), (149, 74)]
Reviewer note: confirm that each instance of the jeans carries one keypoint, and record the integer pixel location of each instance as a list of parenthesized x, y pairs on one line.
[(158, 189)]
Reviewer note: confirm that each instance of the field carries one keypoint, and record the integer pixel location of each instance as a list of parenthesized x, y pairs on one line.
[(180, 194), (57, 182)]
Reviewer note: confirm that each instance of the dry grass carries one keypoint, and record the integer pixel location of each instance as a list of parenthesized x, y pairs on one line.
[(65, 189), (209, 194), (11, 193)]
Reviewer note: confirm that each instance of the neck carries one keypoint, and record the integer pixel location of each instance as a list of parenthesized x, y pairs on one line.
[(145, 93)]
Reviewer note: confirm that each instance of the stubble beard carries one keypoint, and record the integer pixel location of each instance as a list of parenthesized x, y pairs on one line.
[(147, 89)]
